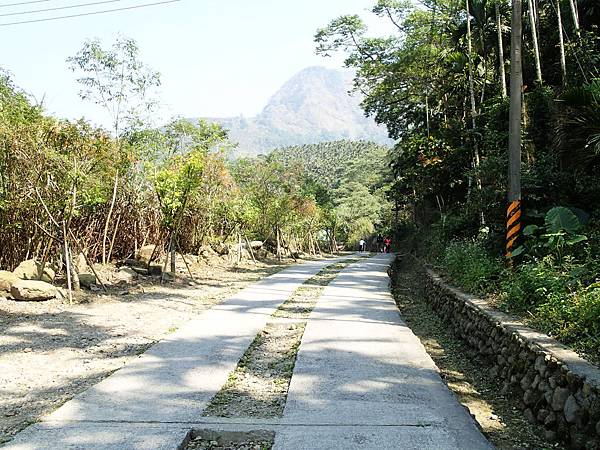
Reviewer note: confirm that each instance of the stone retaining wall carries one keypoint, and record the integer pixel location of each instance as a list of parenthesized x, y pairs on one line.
[(550, 382)]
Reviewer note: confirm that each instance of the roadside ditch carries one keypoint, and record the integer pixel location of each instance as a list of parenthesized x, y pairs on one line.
[(463, 369)]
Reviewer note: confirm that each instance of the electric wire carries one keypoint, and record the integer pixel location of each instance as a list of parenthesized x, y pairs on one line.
[(56, 8), (88, 13), (24, 3)]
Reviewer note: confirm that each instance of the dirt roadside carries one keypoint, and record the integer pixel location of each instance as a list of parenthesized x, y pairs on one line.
[(464, 372), (50, 351)]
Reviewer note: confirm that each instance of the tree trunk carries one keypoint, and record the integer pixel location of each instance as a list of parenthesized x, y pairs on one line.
[(536, 48), (500, 52), (108, 217), (278, 245), (427, 114), (476, 158), (575, 14), (563, 60), (173, 255), (74, 275)]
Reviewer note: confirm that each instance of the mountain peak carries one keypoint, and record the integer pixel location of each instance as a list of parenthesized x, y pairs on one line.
[(312, 106)]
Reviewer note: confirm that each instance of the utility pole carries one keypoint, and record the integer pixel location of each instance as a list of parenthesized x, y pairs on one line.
[(513, 223)]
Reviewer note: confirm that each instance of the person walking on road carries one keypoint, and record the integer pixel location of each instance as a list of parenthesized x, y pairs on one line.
[(361, 245), (387, 245)]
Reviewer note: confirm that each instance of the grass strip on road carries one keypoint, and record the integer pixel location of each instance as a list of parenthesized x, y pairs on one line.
[(259, 385)]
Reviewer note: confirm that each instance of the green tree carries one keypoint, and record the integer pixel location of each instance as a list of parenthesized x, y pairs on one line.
[(121, 84)]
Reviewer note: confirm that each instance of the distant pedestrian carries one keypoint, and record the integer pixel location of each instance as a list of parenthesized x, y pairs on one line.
[(361, 245), (387, 245), (379, 245)]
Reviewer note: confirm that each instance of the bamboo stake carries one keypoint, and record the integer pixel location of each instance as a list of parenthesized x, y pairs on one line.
[(250, 249), (67, 263), (108, 217), (112, 241), (88, 262)]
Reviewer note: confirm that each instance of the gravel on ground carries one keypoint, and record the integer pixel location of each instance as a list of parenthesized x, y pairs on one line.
[(50, 351), (203, 444), (214, 440), (465, 372), (258, 387)]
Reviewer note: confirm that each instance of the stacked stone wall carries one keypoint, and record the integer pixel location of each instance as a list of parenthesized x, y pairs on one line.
[(551, 383)]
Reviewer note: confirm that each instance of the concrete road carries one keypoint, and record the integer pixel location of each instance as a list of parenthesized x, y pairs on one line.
[(364, 381), (151, 402)]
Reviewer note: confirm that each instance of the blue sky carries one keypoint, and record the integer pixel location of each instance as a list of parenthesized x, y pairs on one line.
[(216, 57)]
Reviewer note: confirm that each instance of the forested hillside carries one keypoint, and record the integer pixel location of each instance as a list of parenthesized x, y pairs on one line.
[(442, 84), (333, 162)]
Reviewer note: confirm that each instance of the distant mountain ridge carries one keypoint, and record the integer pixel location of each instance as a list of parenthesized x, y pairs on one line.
[(313, 106)]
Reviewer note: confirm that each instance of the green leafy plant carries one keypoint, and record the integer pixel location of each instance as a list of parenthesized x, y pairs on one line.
[(560, 230), (470, 266)]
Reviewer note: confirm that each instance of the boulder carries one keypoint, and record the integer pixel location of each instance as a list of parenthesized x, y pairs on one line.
[(126, 275), (256, 245), (155, 270), (87, 279), (133, 263), (7, 279), (81, 263), (140, 270), (29, 270), (145, 253), (191, 259), (222, 249), (32, 290), (206, 252)]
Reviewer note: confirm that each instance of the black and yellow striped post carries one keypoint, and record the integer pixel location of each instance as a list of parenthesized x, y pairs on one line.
[(513, 225)]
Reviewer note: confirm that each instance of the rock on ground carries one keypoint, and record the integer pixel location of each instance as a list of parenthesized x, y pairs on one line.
[(29, 270), (87, 279), (126, 274), (7, 279), (256, 245), (32, 290), (145, 253)]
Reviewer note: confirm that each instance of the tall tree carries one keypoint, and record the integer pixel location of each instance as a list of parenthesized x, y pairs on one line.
[(121, 84), (476, 156), (500, 50), (561, 44), (534, 37)]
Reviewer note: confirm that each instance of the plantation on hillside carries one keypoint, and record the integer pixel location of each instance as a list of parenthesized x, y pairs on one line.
[(330, 163)]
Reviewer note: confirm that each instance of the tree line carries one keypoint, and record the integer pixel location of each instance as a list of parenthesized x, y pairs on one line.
[(67, 187), (440, 83)]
